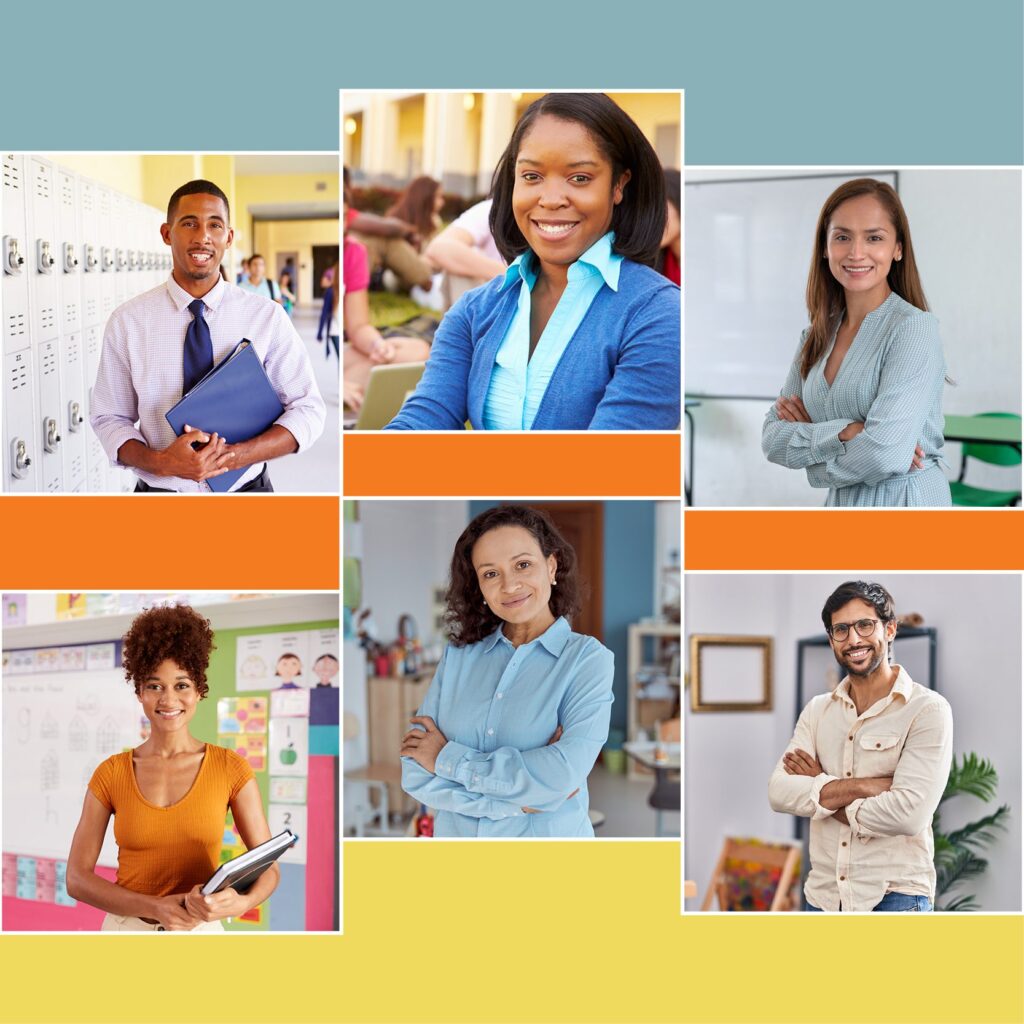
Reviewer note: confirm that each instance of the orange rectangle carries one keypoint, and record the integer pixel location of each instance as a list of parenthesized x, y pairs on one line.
[(820, 539), (484, 465), (186, 542)]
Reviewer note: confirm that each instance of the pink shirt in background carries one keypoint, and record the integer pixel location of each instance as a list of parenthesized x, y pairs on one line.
[(355, 267)]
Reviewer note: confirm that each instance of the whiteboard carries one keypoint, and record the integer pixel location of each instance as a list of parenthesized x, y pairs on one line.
[(58, 726), (748, 251)]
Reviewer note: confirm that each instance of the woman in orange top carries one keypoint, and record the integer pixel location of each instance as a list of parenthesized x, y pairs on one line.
[(168, 797)]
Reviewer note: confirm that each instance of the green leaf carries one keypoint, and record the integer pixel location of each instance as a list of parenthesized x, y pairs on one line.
[(981, 832), (972, 775)]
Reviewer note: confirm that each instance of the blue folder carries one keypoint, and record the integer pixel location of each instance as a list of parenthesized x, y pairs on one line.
[(235, 399)]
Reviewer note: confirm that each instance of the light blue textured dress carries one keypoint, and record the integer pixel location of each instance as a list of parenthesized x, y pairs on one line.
[(891, 380)]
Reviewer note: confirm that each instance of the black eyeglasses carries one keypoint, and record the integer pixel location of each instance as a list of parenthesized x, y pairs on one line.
[(841, 630)]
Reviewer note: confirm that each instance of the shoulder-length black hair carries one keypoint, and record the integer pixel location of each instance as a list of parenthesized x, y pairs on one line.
[(638, 221), (467, 616)]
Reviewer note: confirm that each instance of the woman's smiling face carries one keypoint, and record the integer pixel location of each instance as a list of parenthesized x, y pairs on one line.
[(565, 192), (168, 697), (514, 576), (860, 246)]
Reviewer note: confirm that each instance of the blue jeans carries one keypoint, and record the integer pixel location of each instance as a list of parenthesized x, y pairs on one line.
[(892, 902)]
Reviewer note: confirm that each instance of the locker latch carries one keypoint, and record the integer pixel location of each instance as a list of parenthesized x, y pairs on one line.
[(13, 260), (19, 459), (70, 259), (107, 258), (51, 439), (133, 259), (44, 257), (75, 419), (120, 259), (91, 263)]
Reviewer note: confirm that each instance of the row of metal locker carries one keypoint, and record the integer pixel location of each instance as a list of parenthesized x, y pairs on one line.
[(73, 250)]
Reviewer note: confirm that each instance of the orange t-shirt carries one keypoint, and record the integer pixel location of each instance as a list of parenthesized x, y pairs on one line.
[(165, 850)]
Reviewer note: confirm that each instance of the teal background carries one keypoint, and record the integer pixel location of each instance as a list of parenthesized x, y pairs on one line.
[(794, 81)]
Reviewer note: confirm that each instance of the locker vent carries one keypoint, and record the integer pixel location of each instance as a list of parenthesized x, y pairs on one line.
[(18, 376), (67, 193), (48, 317), (49, 361), (42, 183), (88, 200), (15, 324), (73, 350), (53, 484), (71, 313), (92, 308), (12, 174), (93, 342), (108, 305), (76, 467)]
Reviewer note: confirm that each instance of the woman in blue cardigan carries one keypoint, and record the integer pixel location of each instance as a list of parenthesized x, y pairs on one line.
[(580, 333)]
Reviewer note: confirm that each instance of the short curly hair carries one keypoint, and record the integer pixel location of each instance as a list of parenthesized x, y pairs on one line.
[(179, 634), (467, 617)]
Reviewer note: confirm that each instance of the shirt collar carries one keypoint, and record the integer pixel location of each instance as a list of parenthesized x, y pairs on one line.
[(599, 256), (182, 299), (553, 639), (903, 687)]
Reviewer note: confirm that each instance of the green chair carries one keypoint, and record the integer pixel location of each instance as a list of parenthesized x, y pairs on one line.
[(994, 454)]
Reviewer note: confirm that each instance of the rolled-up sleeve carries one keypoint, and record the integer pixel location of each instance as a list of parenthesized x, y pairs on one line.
[(543, 778), (799, 794), (917, 784), (114, 410)]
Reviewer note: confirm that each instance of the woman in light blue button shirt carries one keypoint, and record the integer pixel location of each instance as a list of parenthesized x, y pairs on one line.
[(861, 409), (518, 709)]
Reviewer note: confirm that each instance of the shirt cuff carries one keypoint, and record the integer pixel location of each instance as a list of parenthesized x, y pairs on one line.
[(819, 782), (852, 810), (118, 437), (447, 764), (825, 444)]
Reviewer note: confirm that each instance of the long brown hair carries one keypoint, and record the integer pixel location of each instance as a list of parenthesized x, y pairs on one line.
[(416, 205), (826, 300)]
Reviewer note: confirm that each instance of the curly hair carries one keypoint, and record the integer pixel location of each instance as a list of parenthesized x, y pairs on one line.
[(178, 634), (467, 617)]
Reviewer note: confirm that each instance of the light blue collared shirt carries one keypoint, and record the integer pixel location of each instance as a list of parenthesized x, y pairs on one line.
[(498, 706), (518, 382)]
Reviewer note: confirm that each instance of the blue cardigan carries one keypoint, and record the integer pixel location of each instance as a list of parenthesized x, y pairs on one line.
[(620, 370)]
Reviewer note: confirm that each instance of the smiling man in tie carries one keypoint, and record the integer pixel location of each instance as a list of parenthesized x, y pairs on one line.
[(159, 344)]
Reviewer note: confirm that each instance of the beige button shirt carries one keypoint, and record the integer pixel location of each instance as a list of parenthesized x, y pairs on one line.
[(887, 847)]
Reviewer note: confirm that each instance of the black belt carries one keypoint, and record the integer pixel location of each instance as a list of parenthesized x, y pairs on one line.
[(257, 483)]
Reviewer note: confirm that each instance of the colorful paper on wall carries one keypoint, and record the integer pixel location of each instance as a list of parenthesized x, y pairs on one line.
[(26, 889), (287, 790), (289, 703), (60, 885), (15, 609), (10, 874), (45, 879), (266, 661), (293, 818), (289, 746), (100, 656), (241, 715), (72, 659), (252, 746), (70, 606)]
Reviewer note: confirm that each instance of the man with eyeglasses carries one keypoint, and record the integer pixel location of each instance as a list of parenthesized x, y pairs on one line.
[(867, 764)]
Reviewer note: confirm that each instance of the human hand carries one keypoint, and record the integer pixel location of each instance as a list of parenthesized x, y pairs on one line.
[(799, 762), (226, 903), (179, 458), (382, 351), (172, 913), (840, 816), (917, 462), (354, 395), (850, 431), (423, 745), (792, 410)]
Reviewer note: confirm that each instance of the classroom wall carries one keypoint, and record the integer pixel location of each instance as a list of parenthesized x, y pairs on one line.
[(730, 756), (977, 298)]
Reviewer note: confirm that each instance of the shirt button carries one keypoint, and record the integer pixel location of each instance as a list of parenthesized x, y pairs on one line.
[(849, 774), (849, 738), (844, 842), (499, 695), (490, 732), (878, 745), (842, 878)]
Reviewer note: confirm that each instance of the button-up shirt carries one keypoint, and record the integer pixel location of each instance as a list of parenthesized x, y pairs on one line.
[(499, 705), (141, 369), (887, 846), (519, 379)]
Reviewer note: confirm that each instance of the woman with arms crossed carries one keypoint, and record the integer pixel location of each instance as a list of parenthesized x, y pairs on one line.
[(518, 709), (580, 332), (168, 797), (861, 409)]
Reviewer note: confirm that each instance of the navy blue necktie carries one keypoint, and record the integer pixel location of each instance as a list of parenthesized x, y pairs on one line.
[(198, 348)]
